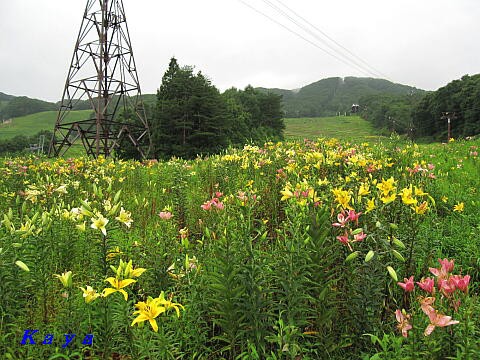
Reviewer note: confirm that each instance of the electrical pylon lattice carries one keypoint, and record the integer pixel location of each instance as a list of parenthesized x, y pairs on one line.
[(102, 77)]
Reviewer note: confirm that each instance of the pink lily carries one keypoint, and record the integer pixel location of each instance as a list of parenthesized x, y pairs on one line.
[(447, 265), (165, 215), (461, 283), (427, 284), (359, 237), (206, 206), (447, 287), (344, 238), (403, 324), (352, 215), (342, 220), (426, 304), (408, 285), (219, 205), (439, 320)]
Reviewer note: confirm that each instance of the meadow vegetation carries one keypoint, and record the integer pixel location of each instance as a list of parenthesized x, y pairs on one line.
[(315, 249)]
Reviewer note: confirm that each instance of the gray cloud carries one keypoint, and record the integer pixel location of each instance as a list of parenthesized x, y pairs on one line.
[(424, 43)]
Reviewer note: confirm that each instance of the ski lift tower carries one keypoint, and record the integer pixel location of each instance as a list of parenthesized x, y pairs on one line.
[(102, 77)]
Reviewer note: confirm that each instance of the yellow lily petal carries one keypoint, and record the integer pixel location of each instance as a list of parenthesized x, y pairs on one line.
[(140, 318), (137, 272), (126, 282), (113, 281), (108, 291), (125, 295), (154, 325)]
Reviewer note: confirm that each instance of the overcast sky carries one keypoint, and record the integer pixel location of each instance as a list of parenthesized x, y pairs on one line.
[(422, 43)]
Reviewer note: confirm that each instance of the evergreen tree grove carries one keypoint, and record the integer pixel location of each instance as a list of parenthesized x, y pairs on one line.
[(192, 118)]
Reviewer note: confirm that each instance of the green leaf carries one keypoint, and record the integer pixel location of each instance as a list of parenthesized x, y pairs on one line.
[(85, 205), (117, 196)]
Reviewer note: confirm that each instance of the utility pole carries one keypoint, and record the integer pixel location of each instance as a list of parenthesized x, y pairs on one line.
[(449, 116), (410, 130), (392, 120)]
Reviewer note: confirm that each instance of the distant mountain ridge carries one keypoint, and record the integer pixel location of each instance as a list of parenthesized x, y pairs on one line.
[(15, 106), (325, 97), (330, 96)]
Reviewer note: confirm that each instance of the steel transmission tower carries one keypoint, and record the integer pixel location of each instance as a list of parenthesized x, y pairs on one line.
[(102, 77)]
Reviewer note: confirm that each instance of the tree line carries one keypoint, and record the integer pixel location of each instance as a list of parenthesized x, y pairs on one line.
[(22, 143), (389, 112), (191, 117), (423, 115), (22, 105), (461, 97)]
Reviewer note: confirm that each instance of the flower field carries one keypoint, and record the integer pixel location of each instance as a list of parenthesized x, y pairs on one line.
[(296, 250)]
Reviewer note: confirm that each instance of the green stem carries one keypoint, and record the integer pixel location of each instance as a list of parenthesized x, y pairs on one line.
[(412, 243)]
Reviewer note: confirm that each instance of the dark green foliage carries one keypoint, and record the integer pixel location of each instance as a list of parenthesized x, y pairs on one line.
[(188, 119), (461, 97), (390, 112), (22, 105), (5, 97), (192, 118), (22, 143), (329, 96), (253, 115)]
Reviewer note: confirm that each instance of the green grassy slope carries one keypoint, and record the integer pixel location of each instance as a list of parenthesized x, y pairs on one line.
[(32, 124), (342, 127)]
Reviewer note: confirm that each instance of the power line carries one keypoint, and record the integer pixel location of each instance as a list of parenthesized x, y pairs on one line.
[(302, 37), (322, 40), (333, 40)]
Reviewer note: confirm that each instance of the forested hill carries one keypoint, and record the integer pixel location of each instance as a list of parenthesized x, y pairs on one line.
[(460, 99), (329, 96), (5, 97), (15, 106)]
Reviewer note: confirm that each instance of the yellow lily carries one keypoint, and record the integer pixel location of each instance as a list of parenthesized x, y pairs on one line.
[(386, 186), (421, 209), (342, 198), (287, 194), (117, 285), (81, 226), (65, 279), (459, 207), (125, 217), (130, 272), (169, 305), (148, 311), (406, 195), (370, 205), (89, 294), (99, 223), (388, 199)]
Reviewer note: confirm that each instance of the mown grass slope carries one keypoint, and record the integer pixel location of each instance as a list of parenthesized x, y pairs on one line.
[(31, 124), (342, 127)]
